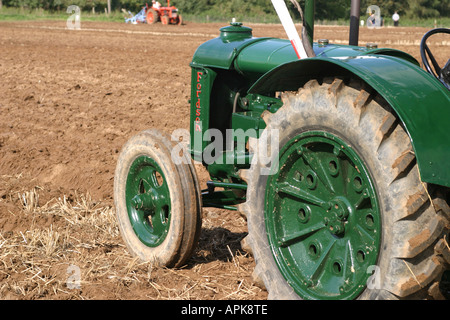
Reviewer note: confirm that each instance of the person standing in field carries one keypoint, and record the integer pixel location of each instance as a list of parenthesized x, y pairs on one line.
[(395, 17)]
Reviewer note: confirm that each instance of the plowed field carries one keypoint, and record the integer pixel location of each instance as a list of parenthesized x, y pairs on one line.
[(69, 100)]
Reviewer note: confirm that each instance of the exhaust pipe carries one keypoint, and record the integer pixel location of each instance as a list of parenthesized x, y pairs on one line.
[(354, 22)]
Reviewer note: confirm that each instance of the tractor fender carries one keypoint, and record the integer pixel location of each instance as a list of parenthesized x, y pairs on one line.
[(420, 101)]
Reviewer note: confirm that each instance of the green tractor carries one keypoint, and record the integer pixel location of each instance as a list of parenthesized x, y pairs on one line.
[(338, 160)]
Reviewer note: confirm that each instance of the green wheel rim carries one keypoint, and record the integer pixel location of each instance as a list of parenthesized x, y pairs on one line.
[(148, 201), (322, 217)]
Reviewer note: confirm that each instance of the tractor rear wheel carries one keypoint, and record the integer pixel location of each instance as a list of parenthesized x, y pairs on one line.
[(152, 16), (344, 214), (158, 204)]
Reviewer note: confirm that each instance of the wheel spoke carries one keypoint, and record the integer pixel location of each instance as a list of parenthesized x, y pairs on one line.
[(320, 264), (317, 165), (300, 194), (349, 262), (144, 179), (293, 238), (160, 213), (364, 235), (338, 171), (362, 200), (158, 222)]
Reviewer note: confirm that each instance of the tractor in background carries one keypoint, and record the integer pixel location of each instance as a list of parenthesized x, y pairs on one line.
[(167, 15), (153, 14), (336, 155)]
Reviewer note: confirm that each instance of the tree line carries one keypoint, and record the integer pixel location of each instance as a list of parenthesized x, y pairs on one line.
[(325, 10)]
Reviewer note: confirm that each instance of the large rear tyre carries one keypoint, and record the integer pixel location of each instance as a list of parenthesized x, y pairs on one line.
[(157, 202), (344, 214)]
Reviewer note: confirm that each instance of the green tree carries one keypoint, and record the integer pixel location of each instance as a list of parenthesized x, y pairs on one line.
[(428, 8)]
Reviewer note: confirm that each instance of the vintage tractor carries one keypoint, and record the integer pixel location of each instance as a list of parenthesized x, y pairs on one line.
[(339, 160), (167, 15)]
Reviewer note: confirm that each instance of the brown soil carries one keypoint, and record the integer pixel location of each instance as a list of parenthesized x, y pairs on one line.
[(69, 100)]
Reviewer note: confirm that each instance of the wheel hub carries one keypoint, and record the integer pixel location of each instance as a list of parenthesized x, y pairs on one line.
[(149, 201), (322, 217), (336, 216)]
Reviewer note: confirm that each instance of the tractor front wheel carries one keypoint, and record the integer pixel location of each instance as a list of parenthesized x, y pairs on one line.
[(165, 20), (179, 20), (157, 201), (342, 213)]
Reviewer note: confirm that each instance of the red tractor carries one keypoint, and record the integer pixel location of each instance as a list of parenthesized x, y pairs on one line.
[(167, 15)]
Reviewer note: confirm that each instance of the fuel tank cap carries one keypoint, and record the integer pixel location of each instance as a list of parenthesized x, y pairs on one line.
[(235, 31)]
